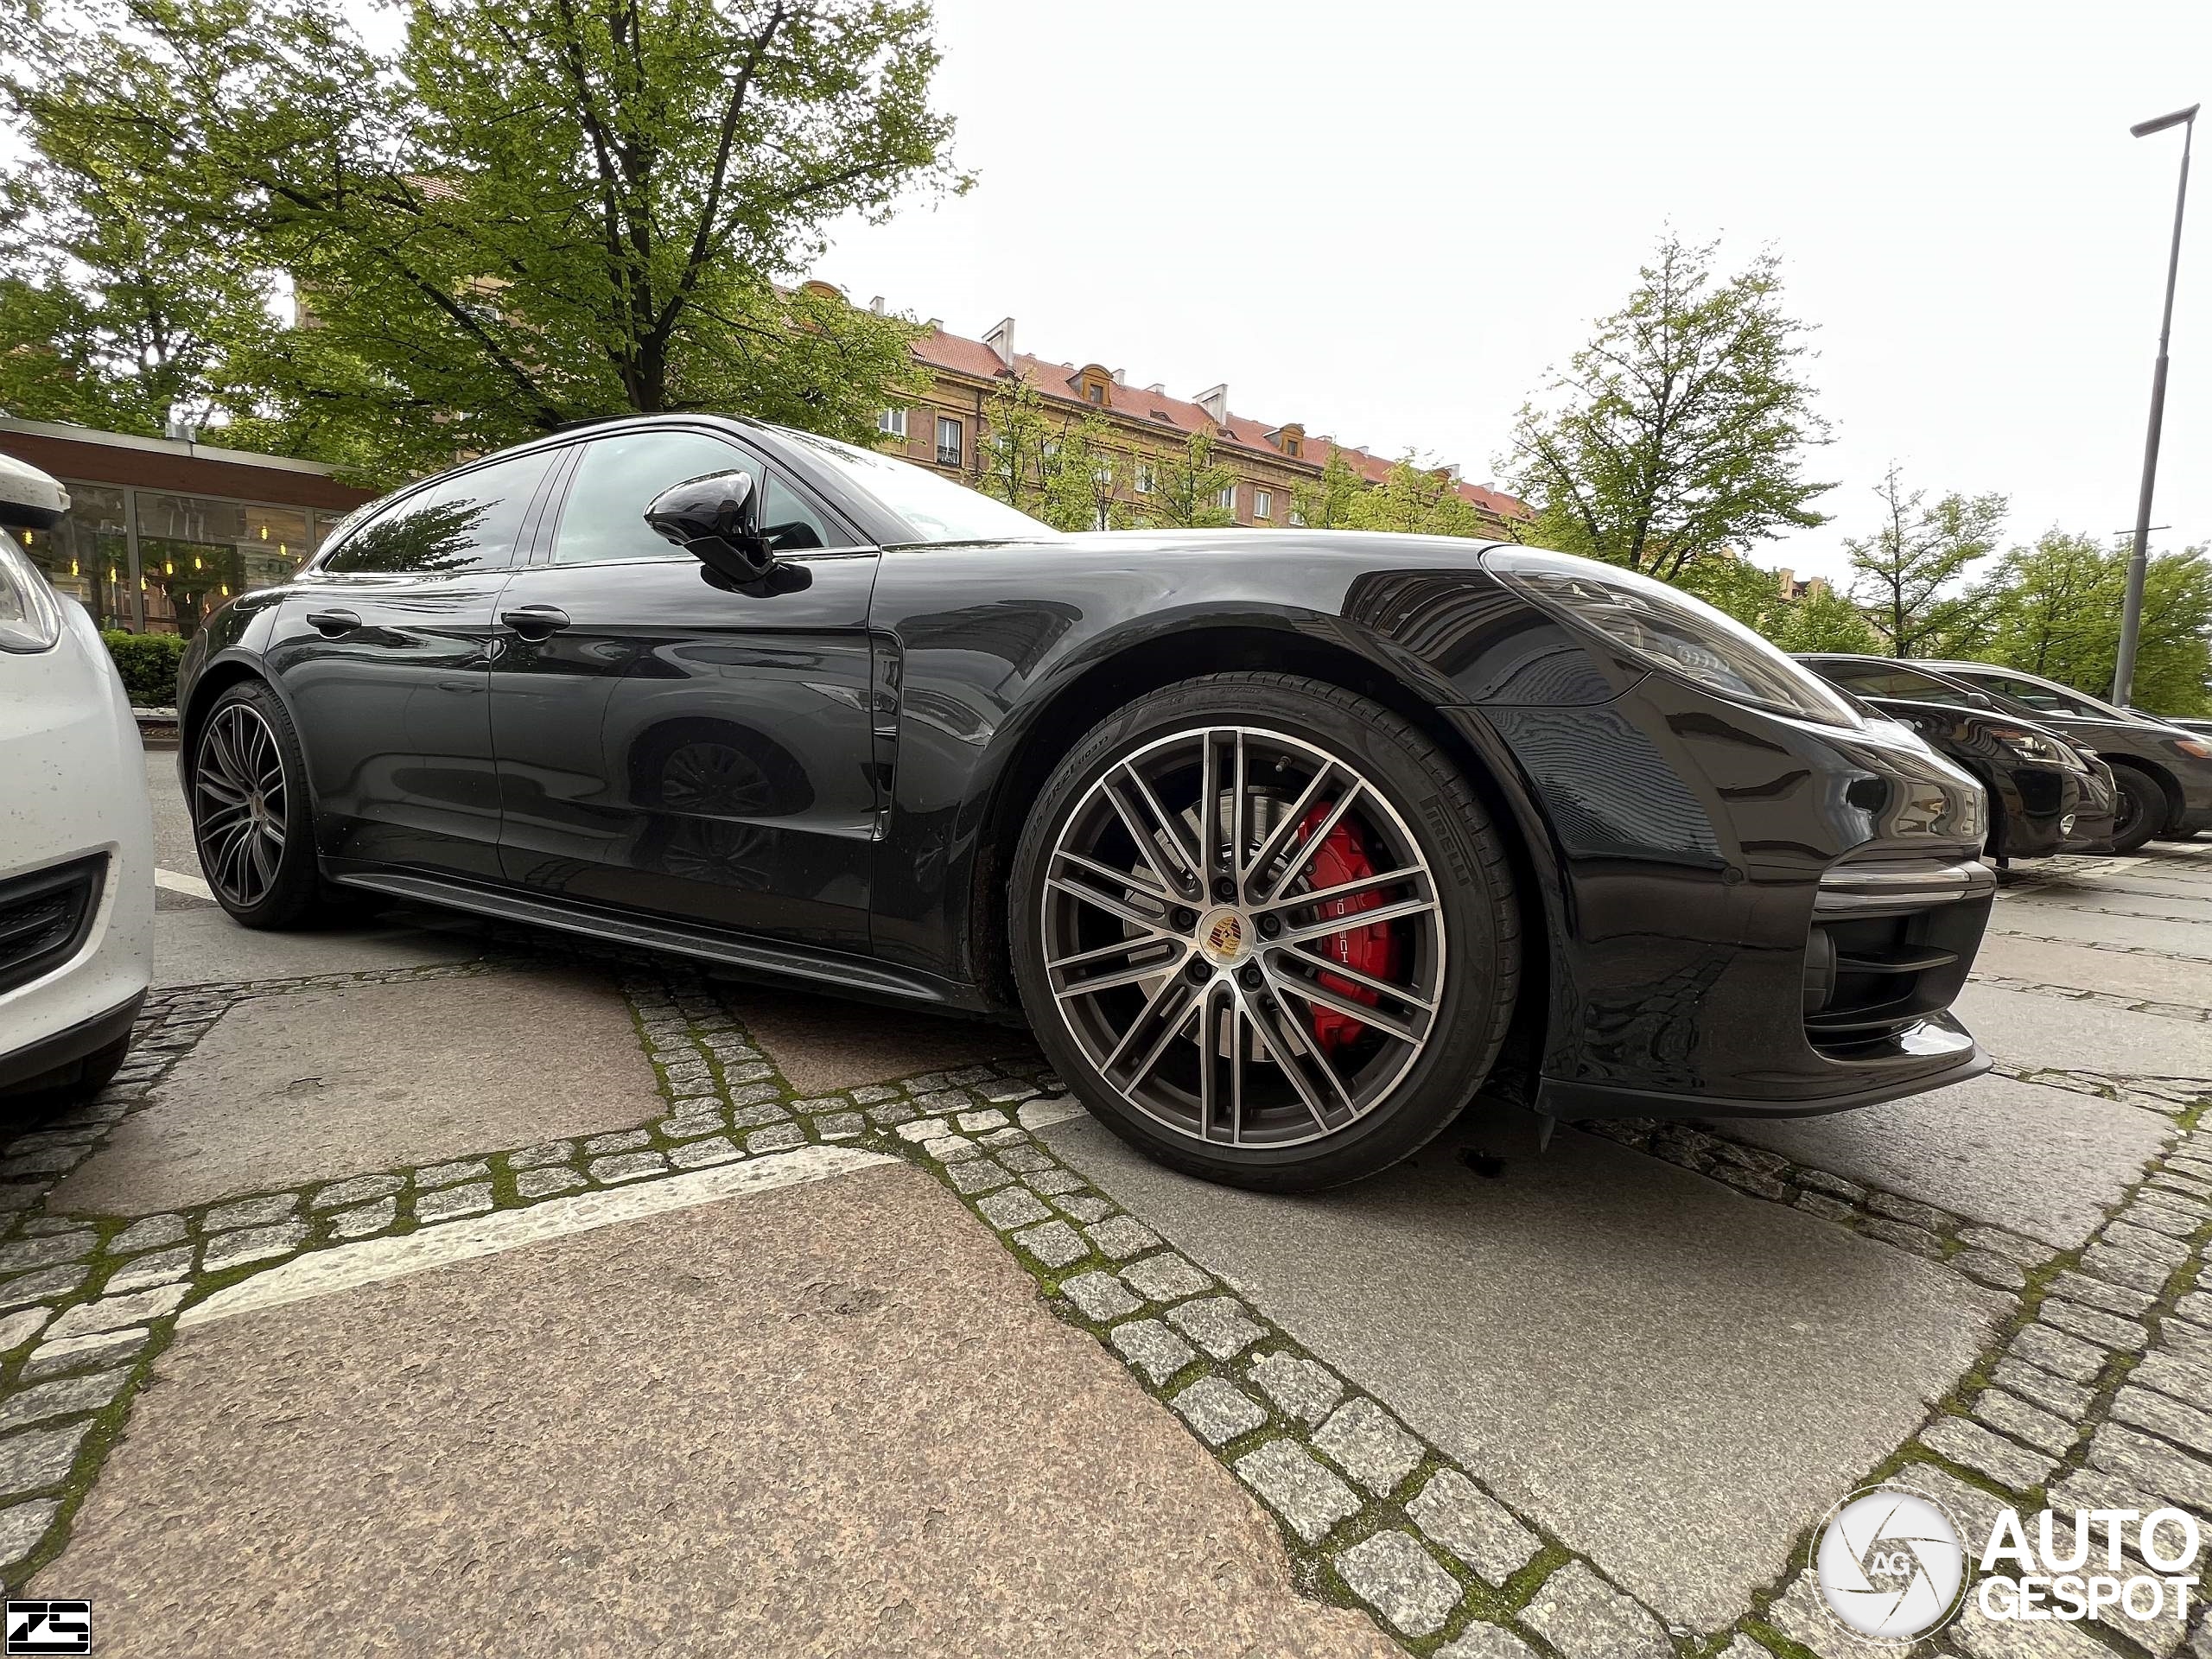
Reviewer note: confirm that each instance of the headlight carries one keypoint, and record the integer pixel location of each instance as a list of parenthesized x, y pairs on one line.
[(1671, 629), (30, 613), (2196, 746)]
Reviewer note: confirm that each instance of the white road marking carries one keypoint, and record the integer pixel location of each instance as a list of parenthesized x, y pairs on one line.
[(186, 884), (321, 1273)]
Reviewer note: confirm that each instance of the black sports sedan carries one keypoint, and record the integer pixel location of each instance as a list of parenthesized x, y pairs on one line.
[(2048, 794), (1284, 842)]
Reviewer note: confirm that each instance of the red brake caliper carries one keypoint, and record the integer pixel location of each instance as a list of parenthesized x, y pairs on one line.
[(1342, 857)]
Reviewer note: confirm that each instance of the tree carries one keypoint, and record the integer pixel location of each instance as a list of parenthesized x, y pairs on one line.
[(2054, 609), (528, 213), (1824, 620), (116, 313), (1186, 489), (1059, 470), (1413, 500), (1902, 572), (1324, 503), (1681, 430)]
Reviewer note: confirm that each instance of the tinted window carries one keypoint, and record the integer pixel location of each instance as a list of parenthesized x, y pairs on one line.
[(790, 523), (2048, 699), (616, 480), (1887, 680), (468, 522)]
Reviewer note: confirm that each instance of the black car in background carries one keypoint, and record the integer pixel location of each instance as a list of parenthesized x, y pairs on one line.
[(1284, 842), (2164, 772), (2048, 794)]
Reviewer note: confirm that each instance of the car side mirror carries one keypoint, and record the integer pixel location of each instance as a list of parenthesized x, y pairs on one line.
[(715, 519)]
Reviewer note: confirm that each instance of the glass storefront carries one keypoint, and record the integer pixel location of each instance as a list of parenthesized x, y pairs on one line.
[(88, 555), (157, 563)]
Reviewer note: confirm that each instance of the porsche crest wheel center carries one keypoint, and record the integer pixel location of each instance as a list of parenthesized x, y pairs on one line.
[(1224, 937)]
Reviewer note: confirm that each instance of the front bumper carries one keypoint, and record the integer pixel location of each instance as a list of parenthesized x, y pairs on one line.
[(76, 796), (1702, 958)]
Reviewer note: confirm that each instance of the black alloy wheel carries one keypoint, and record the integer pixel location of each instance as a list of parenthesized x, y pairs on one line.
[(2140, 811), (251, 819), (1266, 930)]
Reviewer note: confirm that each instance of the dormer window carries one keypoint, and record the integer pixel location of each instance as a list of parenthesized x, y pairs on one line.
[(1094, 383), (1291, 440), (1292, 447)]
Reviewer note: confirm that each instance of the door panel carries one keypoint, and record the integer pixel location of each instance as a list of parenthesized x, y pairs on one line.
[(384, 659), (676, 748)]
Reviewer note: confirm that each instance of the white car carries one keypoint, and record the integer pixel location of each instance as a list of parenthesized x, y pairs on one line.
[(76, 832)]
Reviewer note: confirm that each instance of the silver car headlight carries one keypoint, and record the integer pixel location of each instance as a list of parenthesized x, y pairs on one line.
[(30, 610), (1671, 629)]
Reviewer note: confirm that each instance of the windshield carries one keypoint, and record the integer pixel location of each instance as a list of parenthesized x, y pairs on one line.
[(938, 509)]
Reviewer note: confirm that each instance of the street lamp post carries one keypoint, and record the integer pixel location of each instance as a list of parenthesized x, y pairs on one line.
[(2138, 562)]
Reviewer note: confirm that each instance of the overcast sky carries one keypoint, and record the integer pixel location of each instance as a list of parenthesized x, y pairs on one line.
[(1385, 220)]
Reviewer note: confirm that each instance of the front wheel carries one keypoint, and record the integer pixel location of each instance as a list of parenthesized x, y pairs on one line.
[(2139, 813), (1266, 930), (251, 817)]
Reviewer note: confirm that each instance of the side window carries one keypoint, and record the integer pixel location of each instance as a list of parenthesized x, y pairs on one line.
[(468, 522), (619, 477), (2040, 699), (789, 522)]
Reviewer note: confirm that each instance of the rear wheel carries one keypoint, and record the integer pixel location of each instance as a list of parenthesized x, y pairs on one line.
[(251, 817), (2140, 811), (1266, 930)]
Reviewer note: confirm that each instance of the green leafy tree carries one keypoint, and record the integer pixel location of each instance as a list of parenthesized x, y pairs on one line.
[(1187, 489), (2054, 609), (1906, 574), (1682, 429), (1824, 620), (1414, 500), (1062, 471), (530, 211), (115, 312), (1324, 503)]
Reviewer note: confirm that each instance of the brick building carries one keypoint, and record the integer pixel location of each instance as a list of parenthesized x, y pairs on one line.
[(942, 427)]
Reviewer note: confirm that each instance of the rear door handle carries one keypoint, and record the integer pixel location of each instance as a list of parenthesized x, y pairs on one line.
[(536, 622), (334, 623)]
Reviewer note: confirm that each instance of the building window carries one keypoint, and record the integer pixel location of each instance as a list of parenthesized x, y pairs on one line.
[(1297, 517), (948, 441), (1145, 481), (1095, 391), (1263, 504), (891, 422), (1293, 447), (1227, 498)]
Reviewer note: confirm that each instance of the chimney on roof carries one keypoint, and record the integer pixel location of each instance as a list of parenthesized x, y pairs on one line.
[(1121, 377), (1158, 388), (1450, 471), (935, 324), (876, 305), (1215, 401), (1000, 340)]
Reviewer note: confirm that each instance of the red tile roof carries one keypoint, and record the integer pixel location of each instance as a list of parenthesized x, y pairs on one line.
[(1060, 381)]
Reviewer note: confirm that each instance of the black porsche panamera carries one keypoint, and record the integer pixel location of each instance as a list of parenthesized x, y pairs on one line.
[(1284, 842)]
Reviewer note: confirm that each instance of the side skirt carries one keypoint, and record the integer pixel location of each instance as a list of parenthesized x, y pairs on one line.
[(850, 976)]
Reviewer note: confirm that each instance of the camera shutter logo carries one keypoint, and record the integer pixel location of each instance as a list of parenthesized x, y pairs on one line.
[(1889, 1564)]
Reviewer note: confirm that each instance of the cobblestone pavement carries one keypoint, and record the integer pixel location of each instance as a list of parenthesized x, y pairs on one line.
[(2087, 1347)]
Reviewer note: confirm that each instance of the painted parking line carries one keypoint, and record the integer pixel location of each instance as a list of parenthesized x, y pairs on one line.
[(186, 884), (323, 1273)]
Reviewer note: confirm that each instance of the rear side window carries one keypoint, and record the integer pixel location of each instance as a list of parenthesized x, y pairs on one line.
[(1870, 680), (470, 521)]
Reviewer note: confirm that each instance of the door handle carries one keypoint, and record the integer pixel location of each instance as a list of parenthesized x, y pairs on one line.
[(536, 622), (334, 623)]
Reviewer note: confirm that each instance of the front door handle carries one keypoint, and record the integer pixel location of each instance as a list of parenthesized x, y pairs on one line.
[(536, 622), (334, 623)]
